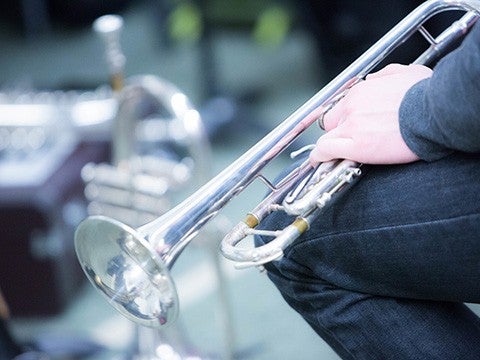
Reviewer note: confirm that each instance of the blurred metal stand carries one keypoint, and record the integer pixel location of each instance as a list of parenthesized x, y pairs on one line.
[(159, 150)]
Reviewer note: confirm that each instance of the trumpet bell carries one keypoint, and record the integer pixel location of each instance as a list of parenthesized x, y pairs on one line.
[(127, 271)]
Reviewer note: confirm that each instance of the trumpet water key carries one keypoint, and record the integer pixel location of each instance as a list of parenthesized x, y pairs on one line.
[(131, 266)]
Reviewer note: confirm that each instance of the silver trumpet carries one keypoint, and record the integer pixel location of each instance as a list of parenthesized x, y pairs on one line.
[(131, 267)]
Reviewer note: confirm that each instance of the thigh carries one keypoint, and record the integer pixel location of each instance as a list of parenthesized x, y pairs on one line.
[(362, 326), (409, 231)]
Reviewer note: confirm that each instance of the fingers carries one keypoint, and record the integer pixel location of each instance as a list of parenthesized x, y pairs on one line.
[(393, 69), (366, 119), (330, 147), (334, 117), (342, 109), (387, 70), (357, 96)]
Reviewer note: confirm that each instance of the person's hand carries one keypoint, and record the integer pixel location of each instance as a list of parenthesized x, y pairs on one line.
[(363, 126)]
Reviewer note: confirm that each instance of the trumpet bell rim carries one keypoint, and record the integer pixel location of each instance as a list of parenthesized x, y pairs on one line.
[(120, 262)]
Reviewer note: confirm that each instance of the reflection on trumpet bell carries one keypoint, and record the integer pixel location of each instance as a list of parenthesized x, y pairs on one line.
[(123, 266)]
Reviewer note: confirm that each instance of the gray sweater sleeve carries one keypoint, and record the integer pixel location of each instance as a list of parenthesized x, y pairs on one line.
[(441, 114)]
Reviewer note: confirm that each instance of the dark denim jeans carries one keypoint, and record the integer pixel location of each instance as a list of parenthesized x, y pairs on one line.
[(385, 271)]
